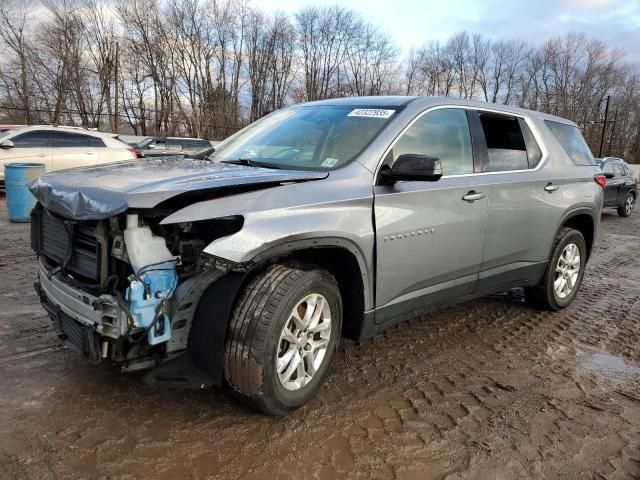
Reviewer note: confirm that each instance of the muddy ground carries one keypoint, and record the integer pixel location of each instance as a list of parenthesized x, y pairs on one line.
[(490, 389)]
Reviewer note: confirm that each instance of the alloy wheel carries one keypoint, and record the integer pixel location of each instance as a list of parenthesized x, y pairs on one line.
[(303, 342), (628, 205), (567, 271)]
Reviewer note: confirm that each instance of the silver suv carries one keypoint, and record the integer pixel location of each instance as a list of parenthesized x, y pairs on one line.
[(327, 219)]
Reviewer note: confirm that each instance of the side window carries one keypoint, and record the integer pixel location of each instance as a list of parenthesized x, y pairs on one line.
[(174, 144), (534, 154), (506, 148), (195, 144), (607, 168), (572, 142), (443, 134), (95, 142), (69, 140), (37, 139), (618, 171)]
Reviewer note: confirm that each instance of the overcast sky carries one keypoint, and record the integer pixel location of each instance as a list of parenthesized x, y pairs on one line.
[(414, 22)]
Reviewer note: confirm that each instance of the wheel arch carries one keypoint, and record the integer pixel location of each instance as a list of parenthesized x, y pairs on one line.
[(342, 259), (584, 221), (338, 256)]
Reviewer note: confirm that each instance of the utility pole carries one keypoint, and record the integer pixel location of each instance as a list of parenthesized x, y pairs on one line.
[(613, 130), (116, 117), (604, 125)]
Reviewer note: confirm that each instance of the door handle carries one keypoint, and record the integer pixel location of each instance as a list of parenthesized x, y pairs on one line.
[(472, 196), (551, 187), (90, 153), (42, 155)]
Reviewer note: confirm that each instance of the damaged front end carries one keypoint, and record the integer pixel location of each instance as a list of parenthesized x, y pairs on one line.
[(125, 283), (126, 288)]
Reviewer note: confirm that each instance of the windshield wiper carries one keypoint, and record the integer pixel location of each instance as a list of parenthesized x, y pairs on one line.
[(252, 163)]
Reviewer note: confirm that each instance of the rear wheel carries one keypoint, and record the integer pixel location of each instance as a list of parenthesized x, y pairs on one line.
[(564, 272), (626, 208), (282, 337)]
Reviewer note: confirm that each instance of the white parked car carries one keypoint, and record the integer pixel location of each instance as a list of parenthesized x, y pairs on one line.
[(61, 147)]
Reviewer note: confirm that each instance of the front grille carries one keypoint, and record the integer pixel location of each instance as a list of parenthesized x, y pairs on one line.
[(71, 245)]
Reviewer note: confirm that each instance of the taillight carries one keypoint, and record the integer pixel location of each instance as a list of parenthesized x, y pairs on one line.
[(600, 180), (134, 152)]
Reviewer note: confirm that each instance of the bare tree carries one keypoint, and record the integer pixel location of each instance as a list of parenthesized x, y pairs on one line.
[(14, 16), (323, 35)]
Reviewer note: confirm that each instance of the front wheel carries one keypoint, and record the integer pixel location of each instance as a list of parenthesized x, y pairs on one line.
[(564, 273), (625, 209), (282, 337)]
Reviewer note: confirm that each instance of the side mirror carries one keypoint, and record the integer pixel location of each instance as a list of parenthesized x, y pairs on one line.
[(609, 175), (413, 167), (151, 146), (6, 144)]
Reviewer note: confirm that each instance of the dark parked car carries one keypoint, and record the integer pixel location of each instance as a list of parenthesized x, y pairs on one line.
[(622, 190)]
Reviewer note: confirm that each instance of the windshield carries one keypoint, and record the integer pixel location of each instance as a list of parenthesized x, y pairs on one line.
[(306, 137)]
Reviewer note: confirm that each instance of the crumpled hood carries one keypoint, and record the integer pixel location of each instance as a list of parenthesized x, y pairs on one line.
[(97, 192)]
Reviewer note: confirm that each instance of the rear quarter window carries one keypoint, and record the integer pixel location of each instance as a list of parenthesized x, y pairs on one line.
[(572, 142)]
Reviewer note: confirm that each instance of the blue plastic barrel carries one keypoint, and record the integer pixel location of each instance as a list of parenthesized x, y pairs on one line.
[(17, 177)]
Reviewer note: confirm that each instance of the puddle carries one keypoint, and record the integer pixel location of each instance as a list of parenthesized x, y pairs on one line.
[(605, 364)]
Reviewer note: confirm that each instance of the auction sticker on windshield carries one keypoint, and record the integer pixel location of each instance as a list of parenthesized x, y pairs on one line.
[(371, 113)]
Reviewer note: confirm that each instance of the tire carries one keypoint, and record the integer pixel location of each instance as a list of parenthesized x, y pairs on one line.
[(626, 208), (255, 339), (545, 294)]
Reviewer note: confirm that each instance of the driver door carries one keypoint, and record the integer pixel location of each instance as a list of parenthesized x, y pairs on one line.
[(430, 235)]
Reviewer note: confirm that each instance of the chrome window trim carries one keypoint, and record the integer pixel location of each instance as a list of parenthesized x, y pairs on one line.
[(534, 131)]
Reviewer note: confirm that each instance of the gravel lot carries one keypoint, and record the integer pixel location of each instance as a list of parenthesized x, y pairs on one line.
[(489, 389)]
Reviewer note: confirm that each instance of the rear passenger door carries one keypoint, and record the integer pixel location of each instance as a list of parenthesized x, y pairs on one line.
[(72, 150), (522, 201)]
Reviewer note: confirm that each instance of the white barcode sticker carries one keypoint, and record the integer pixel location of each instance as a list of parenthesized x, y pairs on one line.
[(371, 113), (329, 162)]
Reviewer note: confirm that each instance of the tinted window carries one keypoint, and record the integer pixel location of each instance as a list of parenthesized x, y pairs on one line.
[(95, 142), (572, 142), (443, 134), (74, 140), (195, 144), (37, 139), (506, 147), (174, 144), (607, 168)]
